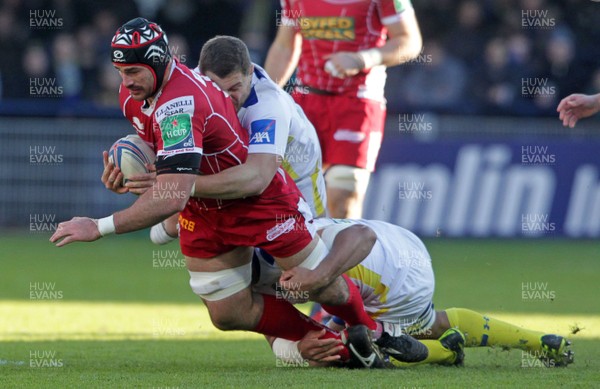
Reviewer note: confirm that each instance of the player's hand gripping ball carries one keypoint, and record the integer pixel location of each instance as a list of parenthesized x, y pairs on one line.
[(132, 155)]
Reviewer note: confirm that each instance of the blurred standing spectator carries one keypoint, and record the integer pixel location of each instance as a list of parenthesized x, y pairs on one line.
[(105, 23), (66, 66), (494, 86), (87, 43), (520, 53), (108, 82), (560, 65), (37, 69), (594, 84), (180, 50), (12, 42), (257, 29), (469, 35), (437, 81)]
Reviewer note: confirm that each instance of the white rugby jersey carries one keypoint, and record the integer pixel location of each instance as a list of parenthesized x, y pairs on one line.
[(396, 279), (277, 125)]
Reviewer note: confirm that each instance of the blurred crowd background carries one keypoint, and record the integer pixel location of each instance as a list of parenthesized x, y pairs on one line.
[(475, 59)]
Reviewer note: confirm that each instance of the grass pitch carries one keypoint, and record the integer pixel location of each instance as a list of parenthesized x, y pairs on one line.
[(119, 313)]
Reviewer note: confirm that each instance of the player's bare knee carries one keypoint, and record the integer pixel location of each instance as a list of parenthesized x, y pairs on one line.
[(339, 202), (226, 321)]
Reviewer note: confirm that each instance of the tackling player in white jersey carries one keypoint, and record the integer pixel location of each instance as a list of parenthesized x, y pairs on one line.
[(396, 283), (277, 125), (280, 133)]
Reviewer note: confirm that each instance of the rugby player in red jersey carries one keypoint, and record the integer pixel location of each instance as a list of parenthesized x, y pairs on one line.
[(341, 48)]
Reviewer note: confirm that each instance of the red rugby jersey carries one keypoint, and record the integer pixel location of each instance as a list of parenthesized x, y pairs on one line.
[(192, 126), (329, 26)]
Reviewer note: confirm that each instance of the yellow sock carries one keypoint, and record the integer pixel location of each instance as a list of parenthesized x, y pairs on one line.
[(437, 354), (482, 330)]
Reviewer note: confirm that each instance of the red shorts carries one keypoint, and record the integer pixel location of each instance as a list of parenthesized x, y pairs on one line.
[(350, 129), (277, 223)]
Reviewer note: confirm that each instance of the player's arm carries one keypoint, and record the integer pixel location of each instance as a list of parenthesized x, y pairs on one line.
[(156, 204), (283, 54), (577, 106), (176, 173), (404, 43), (249, 179), (150, 208), (269, 125), (350, 247)]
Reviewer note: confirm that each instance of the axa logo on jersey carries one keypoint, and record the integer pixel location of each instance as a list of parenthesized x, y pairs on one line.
[(262, 132)]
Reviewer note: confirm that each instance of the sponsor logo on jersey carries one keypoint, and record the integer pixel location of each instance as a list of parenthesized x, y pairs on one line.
[(176, 132), (184, 104), (280, 229), (262, 132), (349, 136), (340, 28)]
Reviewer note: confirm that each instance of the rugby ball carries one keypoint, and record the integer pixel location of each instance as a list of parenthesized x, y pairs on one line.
[(131, 154)]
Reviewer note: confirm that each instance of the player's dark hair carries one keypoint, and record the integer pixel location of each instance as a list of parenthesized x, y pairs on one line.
[(224, 55)]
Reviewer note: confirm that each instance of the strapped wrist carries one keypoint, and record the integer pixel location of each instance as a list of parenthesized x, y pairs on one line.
[(371, 57), (287, 351), (106, 225)]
